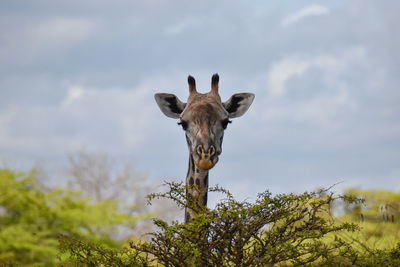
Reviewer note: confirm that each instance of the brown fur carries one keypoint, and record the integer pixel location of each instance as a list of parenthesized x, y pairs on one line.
[(204, 118)]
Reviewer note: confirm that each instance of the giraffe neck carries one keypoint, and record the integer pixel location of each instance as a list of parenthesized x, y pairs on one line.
[(196, 176)]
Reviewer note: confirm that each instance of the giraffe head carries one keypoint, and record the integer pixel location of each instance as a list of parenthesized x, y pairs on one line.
[(204, 119)]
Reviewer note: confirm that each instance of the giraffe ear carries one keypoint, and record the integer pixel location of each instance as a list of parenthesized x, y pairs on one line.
[(238, 104), (170, 105)]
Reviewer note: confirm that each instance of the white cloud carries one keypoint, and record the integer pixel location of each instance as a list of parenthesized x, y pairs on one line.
[(321, 105), (73, 94), (310, 95), (308, 11), (27, 129), (282, 71), (112, 119), (298, 64), (321, 110), (119, 112)]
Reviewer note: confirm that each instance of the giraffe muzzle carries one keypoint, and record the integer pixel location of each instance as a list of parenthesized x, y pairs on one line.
[(205, 162)]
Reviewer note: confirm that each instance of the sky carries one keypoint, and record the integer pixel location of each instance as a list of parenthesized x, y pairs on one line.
[(83, 74)]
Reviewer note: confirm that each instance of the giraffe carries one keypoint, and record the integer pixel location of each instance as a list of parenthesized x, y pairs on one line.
[(203, 118)]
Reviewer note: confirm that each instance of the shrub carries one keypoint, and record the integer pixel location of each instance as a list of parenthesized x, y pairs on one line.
[(31, 220), (285, 229)]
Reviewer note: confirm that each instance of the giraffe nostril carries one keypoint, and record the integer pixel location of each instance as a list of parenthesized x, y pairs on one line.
[(200, 150), (211, 150)]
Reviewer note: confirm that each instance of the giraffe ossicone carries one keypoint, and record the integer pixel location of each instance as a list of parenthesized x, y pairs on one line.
[(204, 119)]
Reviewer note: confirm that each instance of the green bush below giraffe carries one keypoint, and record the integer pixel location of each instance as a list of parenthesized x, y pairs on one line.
[(282, 230), (60, 228)]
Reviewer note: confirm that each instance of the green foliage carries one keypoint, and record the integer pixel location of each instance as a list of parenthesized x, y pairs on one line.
[(60, 227), (378, 216), (94, 254), (379, 205), (275, 229), (283, 230), (31, 220)]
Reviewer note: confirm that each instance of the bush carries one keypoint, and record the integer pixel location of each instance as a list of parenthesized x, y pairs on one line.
[(32, 220), (284, 230)]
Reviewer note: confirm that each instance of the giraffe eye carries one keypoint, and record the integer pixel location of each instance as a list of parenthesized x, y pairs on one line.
[(225, 123), (183, 124)]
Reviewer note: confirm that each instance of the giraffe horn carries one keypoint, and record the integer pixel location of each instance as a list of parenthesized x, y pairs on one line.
[(192, 84), (214, 83)]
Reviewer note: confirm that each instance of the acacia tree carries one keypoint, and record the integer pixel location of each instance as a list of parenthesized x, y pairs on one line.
[(285, 229), (274, 229)]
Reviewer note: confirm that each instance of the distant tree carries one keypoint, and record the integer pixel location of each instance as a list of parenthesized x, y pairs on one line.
[(32, 220), (100, 177), (378, 205)]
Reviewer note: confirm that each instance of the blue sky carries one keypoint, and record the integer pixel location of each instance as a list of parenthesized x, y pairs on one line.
[(325, 74)]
